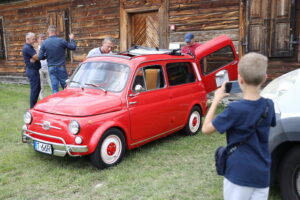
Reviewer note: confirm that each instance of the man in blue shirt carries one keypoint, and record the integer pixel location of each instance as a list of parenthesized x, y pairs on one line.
[(53, 49), (32, 68), (247, 174)]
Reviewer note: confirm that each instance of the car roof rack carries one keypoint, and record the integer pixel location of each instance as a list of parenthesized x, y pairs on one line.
[(141, 50)]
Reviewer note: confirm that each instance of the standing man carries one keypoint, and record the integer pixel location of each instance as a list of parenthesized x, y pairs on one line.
[(44, 75), (32, 68), (53, 49), (191, 44), (107, 46)]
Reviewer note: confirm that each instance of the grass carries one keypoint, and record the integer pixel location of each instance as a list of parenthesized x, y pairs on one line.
[(173, 168)]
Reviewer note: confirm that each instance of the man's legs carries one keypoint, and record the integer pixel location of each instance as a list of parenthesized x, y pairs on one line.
[(233, 191), (42, 77), (35, 85), (54, 78), (62, 76)]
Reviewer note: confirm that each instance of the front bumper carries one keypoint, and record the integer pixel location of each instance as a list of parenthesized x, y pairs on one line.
[(59, 149)]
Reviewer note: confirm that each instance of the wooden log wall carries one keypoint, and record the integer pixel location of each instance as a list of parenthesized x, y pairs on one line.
[(89, 20), (206, 19)]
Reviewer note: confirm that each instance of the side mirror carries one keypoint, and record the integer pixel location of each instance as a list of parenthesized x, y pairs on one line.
[(138, 88)]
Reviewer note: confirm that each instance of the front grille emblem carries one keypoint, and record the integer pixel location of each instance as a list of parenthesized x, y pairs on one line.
[(46, 125)]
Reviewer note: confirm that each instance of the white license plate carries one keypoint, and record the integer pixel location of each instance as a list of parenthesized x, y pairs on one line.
[(42, 147)]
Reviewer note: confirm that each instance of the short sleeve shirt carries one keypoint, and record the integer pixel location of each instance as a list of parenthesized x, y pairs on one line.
[(249, 165), (28, 51), (190, 49)]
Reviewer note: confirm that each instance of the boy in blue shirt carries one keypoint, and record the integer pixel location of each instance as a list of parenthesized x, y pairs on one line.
[(247, 174)]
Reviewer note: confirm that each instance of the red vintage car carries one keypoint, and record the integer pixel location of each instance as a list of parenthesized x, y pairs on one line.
[(118, 102)]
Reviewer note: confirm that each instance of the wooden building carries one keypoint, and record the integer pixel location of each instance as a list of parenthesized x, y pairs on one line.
[(271, 27)]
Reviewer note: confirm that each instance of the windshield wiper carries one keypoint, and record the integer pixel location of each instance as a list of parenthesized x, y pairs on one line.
[(95, 85), (75, 82)]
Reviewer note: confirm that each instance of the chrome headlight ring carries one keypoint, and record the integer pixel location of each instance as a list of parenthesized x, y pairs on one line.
[(27, 117), (74, 127)]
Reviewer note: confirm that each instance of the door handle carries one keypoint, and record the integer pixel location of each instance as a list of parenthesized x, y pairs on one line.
[(133, 102)]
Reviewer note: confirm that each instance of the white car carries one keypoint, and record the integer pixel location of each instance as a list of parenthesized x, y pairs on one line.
[(284, 140)]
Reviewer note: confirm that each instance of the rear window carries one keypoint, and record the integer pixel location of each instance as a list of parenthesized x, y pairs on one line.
[(217, 59), (180, 73)]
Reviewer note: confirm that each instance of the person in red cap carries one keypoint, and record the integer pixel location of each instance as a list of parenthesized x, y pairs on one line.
[(191, 44)]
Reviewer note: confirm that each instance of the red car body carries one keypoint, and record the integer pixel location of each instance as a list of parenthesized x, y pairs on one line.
[(109, 121)]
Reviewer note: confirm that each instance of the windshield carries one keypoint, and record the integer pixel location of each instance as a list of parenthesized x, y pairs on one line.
[(106, 76)]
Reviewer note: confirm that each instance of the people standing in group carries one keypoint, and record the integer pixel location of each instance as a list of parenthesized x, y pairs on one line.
[(44, 74), (32, 68), (106, 48), (246, 123), (191, 44), (53, 49)]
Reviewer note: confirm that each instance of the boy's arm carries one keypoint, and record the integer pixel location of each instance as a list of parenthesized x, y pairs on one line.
[(208, 127)]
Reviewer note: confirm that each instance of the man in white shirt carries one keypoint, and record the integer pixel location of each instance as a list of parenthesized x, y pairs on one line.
[(107, 46), (44, 74)]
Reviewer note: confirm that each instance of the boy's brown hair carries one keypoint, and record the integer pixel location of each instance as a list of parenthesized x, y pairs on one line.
[(253, 68)]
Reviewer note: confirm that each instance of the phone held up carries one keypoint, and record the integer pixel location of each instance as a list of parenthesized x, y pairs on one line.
[(232, 87)]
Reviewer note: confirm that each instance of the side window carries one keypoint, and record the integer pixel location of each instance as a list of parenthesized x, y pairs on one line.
[(180, 73), (149, 78), (217, 59)]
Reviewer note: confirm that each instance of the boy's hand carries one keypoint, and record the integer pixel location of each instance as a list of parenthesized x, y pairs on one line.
[(220, 93)]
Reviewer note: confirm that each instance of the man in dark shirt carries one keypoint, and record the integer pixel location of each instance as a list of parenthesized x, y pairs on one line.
[(53, 49), (32, 68)]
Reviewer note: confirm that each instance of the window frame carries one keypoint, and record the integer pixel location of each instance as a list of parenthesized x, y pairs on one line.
[(144, 78), (3, 55), (203, 61), (190, 64)]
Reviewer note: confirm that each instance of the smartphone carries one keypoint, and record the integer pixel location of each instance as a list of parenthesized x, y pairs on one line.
[(232, 87)]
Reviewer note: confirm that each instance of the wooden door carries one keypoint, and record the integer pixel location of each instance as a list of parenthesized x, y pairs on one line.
[(270, 27), (257, 26), (282, 28), (145, 29)]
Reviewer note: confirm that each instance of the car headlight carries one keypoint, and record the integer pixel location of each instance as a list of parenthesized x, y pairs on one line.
[(74, 127), (27, 117)]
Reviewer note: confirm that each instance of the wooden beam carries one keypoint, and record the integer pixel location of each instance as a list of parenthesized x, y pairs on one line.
[(242, 25)]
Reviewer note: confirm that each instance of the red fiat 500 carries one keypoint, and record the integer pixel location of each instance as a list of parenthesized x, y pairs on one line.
[(115, 103)]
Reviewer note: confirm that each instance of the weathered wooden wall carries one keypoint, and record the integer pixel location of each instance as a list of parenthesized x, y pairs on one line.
[(92, 20), (89, 20), (206, 19)]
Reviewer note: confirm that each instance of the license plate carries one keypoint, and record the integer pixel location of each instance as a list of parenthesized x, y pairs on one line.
[(42, 147)]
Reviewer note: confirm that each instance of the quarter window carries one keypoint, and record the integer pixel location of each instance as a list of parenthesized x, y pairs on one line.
[(180, 73), (149, 78), (217, 59)]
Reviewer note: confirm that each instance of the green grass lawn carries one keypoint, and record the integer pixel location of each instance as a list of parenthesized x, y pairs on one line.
[(174, 168)]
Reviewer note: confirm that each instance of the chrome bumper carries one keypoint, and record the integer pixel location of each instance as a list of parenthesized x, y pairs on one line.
[(58, 149)]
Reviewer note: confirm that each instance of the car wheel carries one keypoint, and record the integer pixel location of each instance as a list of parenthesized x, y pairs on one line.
[(110, 149), (290, 175), (194, 122)]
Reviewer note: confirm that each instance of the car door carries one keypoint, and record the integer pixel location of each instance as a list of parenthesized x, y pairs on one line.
[(148, 103), (217, 62)]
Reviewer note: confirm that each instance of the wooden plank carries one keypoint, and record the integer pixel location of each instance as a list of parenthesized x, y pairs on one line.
[(211, 26), (206, 18), (124, 27), (242, 25), (198, 10)]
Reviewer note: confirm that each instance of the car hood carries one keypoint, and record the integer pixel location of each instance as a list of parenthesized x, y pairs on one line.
[(79, 102)]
